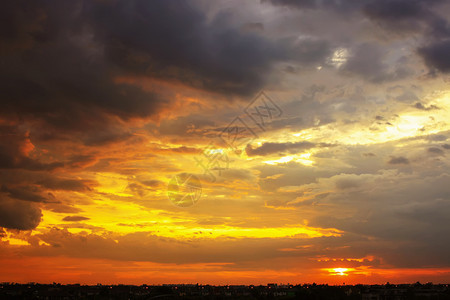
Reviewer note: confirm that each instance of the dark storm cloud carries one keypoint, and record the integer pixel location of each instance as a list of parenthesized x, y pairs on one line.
[(23, 177), (407, 16), (395, 15), (341, 6), (64, 71), (294, 3), (176, 41), (55, 183), (416, 15), (107, 136), (58, 84), (396, 10), (16, 214), (9, 161), (436, 55), (26, 193), (410, 17), (62, 58), (55, 72), (14, 144)]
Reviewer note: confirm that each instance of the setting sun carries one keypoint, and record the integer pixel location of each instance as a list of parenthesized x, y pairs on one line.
[(339, 271)]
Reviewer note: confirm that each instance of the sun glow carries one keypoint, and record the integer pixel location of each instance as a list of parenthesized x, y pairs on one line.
[(339, 271), (282, 160), (301, 158)]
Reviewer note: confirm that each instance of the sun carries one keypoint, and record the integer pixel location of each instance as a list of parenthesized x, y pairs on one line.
[(339, 271)]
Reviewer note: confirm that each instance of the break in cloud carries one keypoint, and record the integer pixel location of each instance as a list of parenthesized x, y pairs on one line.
[(104, 101)]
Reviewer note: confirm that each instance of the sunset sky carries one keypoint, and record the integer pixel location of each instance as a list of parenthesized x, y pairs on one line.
[(343, 177)]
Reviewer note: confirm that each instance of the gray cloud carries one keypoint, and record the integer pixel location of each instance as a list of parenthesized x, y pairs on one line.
[(16, 214), (298, 4), (55, 183), (271, 148), (397, 10), (367, 61), (436, 55), (64, 73), (435, 150), (420, 106), (185, 125), (406, 212), (75, 218), (26, 193), (398, 160), (339, 6), (13, 151)]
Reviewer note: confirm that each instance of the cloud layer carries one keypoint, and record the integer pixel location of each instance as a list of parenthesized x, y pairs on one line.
[(103, 102)]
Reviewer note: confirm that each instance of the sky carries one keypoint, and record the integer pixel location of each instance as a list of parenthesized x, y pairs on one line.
[(225, 142)]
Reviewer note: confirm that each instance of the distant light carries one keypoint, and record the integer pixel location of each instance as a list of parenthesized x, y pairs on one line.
[(340, 271), (339, 57)]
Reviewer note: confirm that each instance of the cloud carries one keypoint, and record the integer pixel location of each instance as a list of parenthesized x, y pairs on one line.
[(368, 62), (15, 147), (302, 4), (56, 183), (75, 218), (237, 174), (16, 214), (407, 211), (398, 160), (369, 154), (186, 125), (435, 150), (65, 75), (400, 16), (339, 6), (145, 246), (348, 181), (26, 193), (73, 75), (70, 98), (207, 54), (436, 55), (396, 10), (420, 106), (271, 148), (104, 101)]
